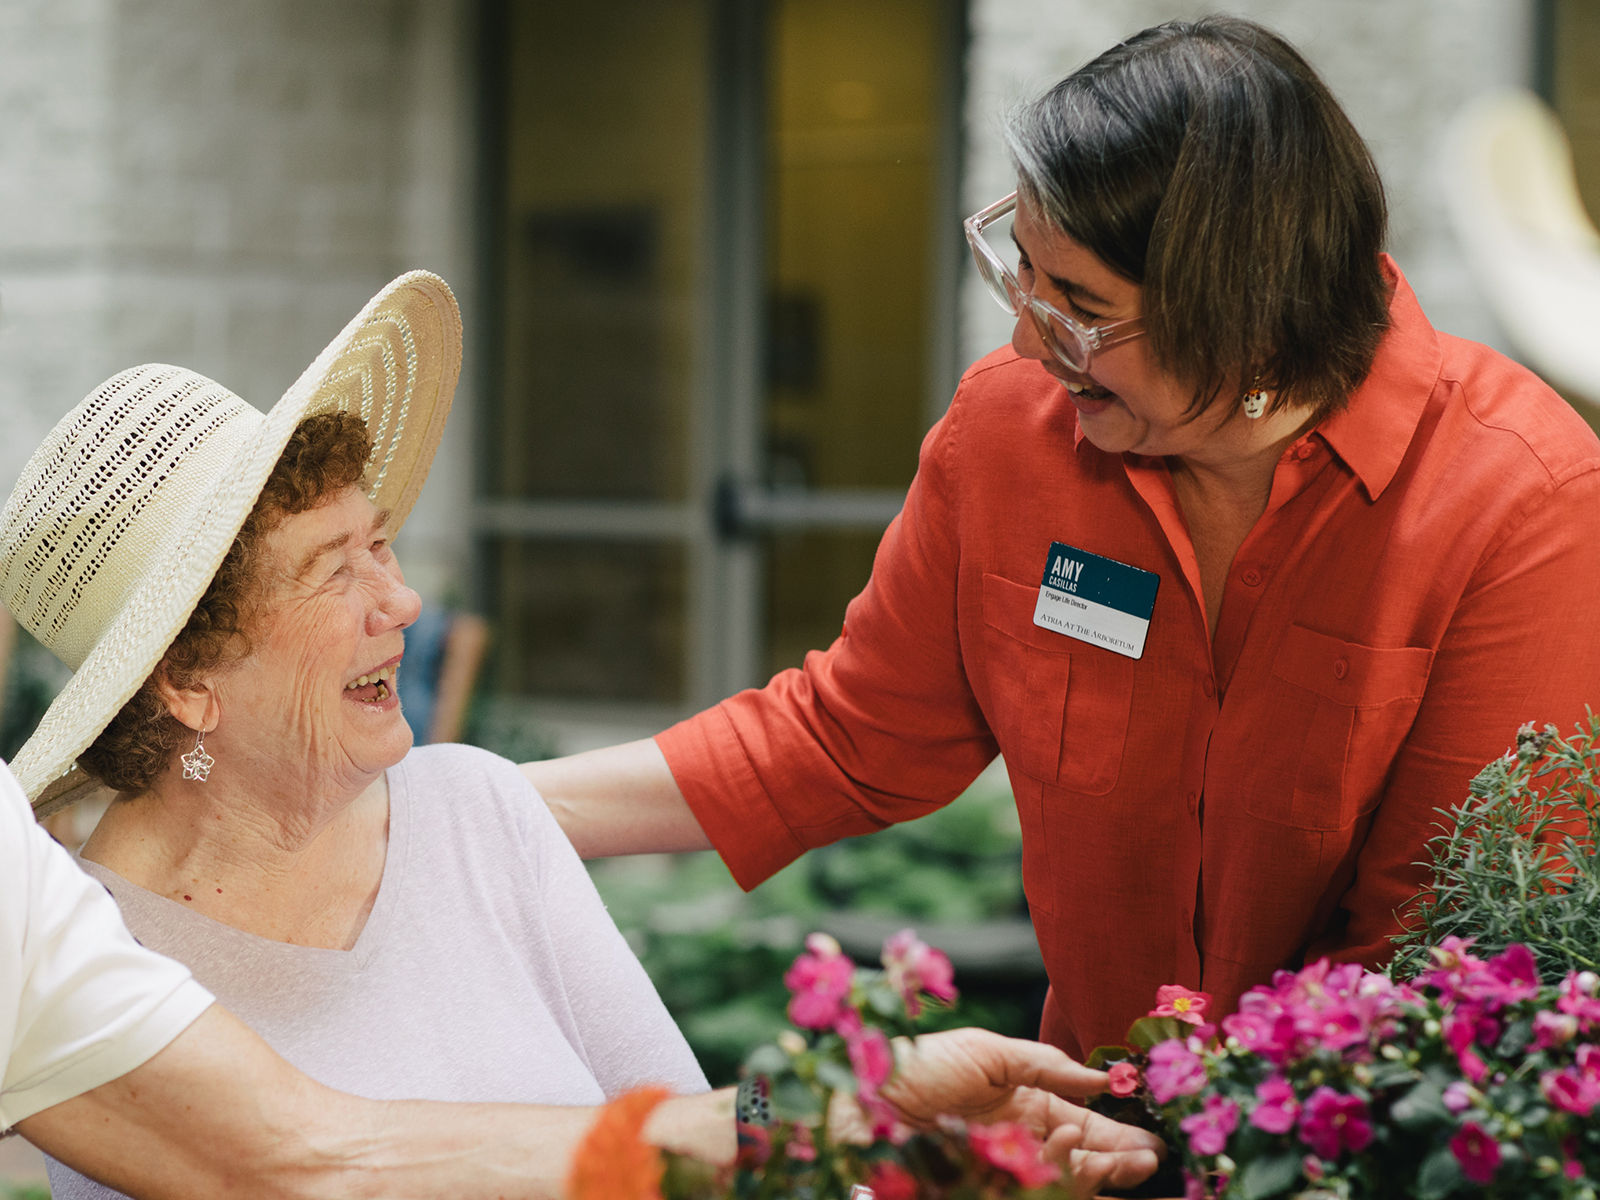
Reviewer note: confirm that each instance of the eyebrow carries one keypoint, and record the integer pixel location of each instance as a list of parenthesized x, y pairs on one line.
[(337, 543), (1065, 286)]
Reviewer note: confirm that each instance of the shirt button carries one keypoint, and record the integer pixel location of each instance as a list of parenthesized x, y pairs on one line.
[(1341, 667), (1304, 451), (1208, 687), (1251, 577), (1194, 803)]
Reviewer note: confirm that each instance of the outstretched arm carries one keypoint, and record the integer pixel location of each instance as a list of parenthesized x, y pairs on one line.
[(217, 1112), (620, 800)]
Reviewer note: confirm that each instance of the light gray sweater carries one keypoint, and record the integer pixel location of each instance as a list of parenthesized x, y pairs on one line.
[(487, 970)]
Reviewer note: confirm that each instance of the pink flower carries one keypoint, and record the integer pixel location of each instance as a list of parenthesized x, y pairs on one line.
[(1209, 1128), (1193, 1189), (1570, 1091), (1477, 1152), (1515, 973), (1578, 998), (1124, 1079), (1552, 1029), (820, 982), (1270, 1035), (801, 1148), (1012, 1148), (1174, 1000), (1276, 1108), (1331, 1123), (914, 969), (1174, 1070), (1458, 1097), (891, 1181), (871, 1058)]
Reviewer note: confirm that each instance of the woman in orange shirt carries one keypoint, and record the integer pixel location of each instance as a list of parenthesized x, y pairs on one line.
[(1242, 566)]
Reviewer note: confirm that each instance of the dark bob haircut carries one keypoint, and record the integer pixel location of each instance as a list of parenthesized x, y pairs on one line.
[(1208, 163)]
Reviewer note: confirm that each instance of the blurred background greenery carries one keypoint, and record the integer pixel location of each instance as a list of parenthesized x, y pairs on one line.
[(718, 955)]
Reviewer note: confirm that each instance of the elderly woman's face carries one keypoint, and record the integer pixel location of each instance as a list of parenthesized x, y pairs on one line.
[(317, 698), (1126, 403)]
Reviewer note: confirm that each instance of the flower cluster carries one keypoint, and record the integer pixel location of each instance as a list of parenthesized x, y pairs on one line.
[(1472, 1079), (845, 1017)]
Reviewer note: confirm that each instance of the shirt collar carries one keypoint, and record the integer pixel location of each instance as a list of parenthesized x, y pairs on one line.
[(1372, 433)]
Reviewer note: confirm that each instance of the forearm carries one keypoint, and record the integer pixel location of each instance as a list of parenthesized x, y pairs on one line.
[(620, 800), (219, 1113), (420, 1149)]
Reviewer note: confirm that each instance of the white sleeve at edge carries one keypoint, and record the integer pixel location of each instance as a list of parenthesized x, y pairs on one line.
[(81, 1002)]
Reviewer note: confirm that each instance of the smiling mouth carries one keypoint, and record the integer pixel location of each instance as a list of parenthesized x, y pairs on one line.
[(374, 688), (1085, 391)]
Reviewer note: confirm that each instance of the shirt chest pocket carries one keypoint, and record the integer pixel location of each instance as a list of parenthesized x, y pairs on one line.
[(1351, 706), (1058, 708)]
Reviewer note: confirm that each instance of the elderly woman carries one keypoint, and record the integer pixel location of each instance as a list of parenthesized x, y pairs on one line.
[(397, 922), (1242, 566)]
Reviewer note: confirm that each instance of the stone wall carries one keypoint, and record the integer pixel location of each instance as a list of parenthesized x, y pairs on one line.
[(1401, 68), (221, 186)]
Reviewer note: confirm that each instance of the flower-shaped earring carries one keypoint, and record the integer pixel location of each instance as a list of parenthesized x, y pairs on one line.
[(197, 763)]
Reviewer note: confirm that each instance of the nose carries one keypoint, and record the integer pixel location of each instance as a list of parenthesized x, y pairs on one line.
[(1025, 339), (397, 607)]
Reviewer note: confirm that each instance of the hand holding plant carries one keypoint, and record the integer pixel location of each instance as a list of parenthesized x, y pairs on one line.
[(857, 1099)]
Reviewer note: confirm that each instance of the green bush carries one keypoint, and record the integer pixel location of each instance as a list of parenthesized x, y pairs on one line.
[(1519, 859), (718, 955)]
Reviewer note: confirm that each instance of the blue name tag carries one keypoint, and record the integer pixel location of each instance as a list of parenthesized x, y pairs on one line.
[(1096, 600)]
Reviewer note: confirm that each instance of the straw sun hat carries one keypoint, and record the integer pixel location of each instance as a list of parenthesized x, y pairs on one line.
[(123, 515)]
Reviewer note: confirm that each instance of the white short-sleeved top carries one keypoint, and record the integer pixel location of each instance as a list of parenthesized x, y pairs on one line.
[(81, 1002)]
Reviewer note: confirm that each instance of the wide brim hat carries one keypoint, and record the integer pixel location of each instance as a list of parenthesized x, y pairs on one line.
[(123, 515)]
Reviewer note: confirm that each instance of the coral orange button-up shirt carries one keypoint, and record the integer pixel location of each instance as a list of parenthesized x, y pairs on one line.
[(1419, 585)]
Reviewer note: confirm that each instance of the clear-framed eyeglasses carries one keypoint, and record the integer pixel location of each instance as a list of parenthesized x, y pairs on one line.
[(1071, 341)]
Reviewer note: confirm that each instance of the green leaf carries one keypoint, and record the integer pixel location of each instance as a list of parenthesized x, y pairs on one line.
[(1147, 1031), (1420, 1107), (1439, 1175), (1101, 1056), (836, 1076), (795, 1100), (1267, 1175), (766, 1060)]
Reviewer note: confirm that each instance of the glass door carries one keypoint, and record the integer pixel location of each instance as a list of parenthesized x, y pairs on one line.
[(722, 251)]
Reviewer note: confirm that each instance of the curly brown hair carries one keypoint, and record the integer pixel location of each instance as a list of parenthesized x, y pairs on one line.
[(326, 454)]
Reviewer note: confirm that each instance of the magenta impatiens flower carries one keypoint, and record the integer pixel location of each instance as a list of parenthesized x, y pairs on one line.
[(1276, 1108), (915, 968), (1174, 1070), (1174, 1000), (1209, 1128), (1477, 1152), (1331, 1123), (819, 982)]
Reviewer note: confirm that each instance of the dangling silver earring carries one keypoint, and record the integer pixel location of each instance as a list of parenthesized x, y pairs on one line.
[(1255, 401), (197, 763)]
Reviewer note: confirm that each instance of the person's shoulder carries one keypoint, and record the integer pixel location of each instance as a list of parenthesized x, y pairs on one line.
[(1006, 397), (1005, 371), (469, 775), (1505, 401)]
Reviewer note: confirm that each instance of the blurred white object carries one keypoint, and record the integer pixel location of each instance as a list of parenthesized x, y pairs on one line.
[(1529, 242)]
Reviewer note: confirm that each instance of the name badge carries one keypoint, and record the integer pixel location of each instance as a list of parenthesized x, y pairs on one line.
[(1096, 600)]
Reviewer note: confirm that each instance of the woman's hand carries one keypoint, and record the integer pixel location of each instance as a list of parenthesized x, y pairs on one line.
[(983, 1078)]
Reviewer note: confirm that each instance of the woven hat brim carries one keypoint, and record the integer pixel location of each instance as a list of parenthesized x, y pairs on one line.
[(408, 334)]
